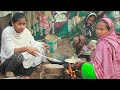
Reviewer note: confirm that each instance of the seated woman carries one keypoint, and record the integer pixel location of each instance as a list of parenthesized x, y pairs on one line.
[(20, 53), (105, 59)]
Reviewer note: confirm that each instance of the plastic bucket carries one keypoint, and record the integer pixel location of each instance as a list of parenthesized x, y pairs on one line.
[(52, 41)]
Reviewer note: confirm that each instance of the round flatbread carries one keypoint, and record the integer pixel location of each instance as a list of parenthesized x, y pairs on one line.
[(73, 60)]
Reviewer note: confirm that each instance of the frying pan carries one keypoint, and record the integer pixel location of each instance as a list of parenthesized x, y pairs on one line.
[(61, 59), (58, 59), (54, 62)]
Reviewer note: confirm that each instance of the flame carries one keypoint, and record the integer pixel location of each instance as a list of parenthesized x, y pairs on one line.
[(70, 71)]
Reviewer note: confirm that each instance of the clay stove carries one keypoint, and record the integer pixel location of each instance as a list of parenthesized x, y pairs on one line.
[(56, 71), (52, 71)]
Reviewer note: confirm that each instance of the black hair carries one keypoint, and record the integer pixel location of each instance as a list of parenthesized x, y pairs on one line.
[(102, 20), (16, 17)]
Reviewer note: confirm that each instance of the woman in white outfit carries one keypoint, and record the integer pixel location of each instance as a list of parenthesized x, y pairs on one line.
[(20, 53)]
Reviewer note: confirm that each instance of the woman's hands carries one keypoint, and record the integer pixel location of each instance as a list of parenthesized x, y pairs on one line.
[(32, 51), (46, 47), (78, 65)]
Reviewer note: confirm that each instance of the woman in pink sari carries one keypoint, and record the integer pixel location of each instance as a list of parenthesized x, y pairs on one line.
[(105, 59)]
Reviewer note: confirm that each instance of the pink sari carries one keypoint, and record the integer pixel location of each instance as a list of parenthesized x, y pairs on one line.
[(106, 57)]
